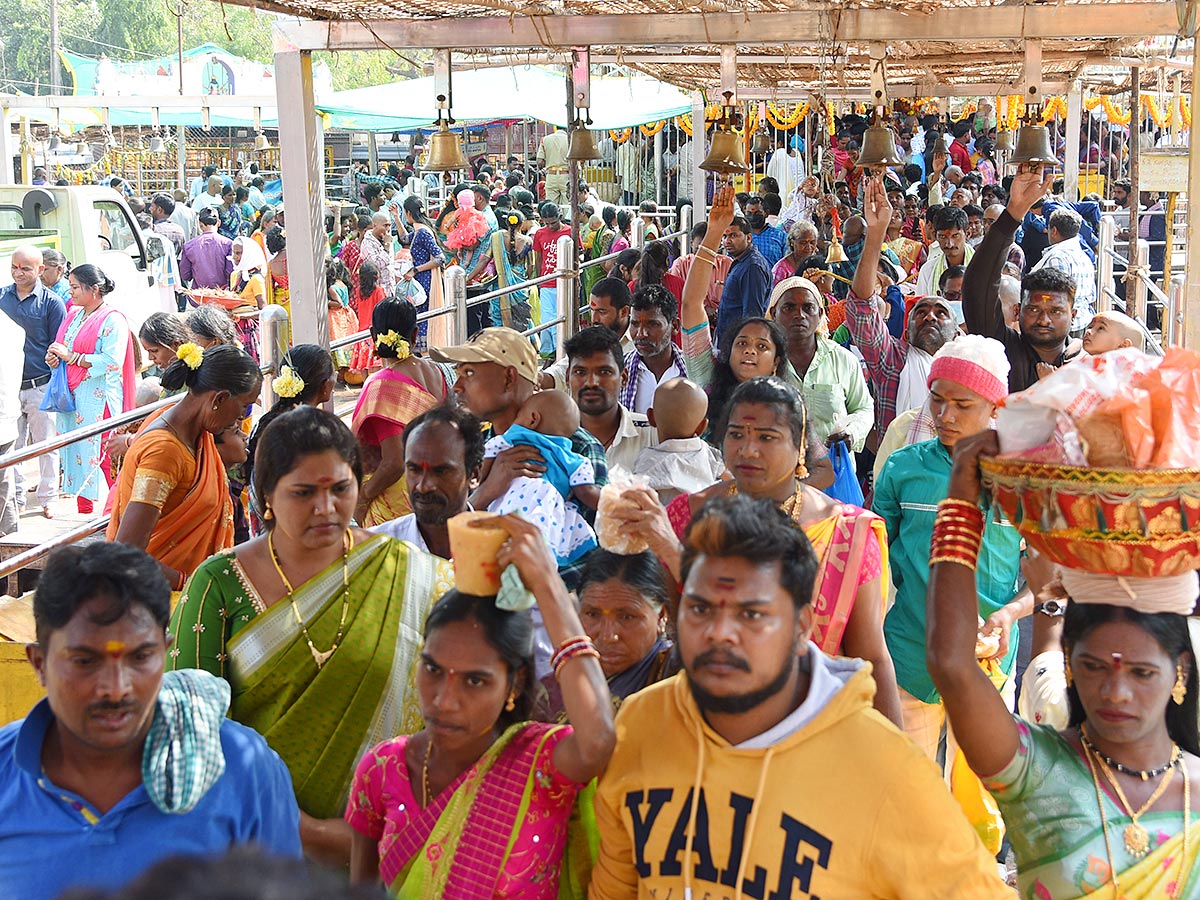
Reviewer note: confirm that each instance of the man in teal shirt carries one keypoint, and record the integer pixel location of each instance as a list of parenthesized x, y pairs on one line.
[(967, 378)]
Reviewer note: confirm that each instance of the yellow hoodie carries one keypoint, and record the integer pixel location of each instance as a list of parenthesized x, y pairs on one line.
[(844, 808)]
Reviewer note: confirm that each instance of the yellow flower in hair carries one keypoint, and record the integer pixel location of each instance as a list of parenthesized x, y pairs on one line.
[(288, 384), (403, 349), (191, 354), (387, 339)]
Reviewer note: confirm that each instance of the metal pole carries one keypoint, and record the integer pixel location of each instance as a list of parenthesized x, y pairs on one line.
[(658, 166), (273, 332), (454, 286), (1190, 305), (685, 230), (565, 283), (699, 196), (1133, 290), (372, 153), (1104, 267), (639, 231), (1073, 126), (573, 198)]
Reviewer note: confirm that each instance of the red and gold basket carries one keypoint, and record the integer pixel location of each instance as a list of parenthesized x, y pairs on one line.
[(1137, 522)]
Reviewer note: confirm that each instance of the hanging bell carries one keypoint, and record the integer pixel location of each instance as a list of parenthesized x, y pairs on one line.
[(879, 149), (261, 142), (942, 144), (445, 150), (55, 142), (1004, 142), (1033, 147), (760, 144), (581, 143), (836, 252), (82, 149), (157, 144), (724, 154)]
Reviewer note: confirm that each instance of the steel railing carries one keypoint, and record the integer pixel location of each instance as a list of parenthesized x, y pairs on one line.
[(273, 322)]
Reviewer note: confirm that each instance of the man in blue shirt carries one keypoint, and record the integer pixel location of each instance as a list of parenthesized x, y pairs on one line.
[(40, 312), (770, 241), (120, 766), (748, 286)]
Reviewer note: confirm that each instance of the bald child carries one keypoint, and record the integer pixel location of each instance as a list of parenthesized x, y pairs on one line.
[(1112, 331), (682, 463)]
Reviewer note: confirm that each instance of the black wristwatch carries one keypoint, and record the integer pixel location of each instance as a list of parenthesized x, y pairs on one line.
[(1053, 608)]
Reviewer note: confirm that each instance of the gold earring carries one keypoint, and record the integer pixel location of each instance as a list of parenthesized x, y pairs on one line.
[(268, 515), (215, 405), (801, 471), (511, 704), (1070, 677), (1179, 692)]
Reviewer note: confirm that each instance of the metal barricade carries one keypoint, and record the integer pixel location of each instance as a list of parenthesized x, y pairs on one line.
[(273, 329)]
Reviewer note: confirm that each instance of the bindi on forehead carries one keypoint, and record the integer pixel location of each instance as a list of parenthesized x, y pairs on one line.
[(114, 648)]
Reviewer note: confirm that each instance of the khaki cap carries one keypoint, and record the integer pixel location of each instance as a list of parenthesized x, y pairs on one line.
[(502, 346)]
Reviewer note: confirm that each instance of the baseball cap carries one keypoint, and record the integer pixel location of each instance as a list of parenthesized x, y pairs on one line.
[(208, 216), (502, 346)]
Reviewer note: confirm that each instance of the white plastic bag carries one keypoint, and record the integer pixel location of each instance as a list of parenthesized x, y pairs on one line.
[(608, 530)]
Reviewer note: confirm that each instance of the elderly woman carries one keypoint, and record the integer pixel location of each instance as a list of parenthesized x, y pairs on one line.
[(623, 605), (802, 239), (210, 325), (767, 450)]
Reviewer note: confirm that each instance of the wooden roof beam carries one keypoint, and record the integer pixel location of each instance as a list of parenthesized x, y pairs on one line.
[(1047, 22)]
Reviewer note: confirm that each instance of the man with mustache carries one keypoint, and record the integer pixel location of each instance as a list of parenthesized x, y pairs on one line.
[(596, 376), (897, 368), (761, 770), (120, 765), (655, 358), (443, 453)]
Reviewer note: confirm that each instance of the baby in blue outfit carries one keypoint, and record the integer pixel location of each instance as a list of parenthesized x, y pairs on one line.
[(546, 422)]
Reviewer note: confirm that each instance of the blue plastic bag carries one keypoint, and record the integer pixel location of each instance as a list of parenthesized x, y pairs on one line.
[(58, 396), (845, 488)]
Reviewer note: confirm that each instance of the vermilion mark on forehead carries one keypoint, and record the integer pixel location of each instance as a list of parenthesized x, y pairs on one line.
[(325, 481), (114, 648)]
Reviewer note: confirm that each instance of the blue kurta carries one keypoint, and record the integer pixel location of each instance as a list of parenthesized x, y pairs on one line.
[(99, 396)]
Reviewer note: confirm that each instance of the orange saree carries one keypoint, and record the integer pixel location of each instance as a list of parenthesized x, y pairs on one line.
[(191, 494)]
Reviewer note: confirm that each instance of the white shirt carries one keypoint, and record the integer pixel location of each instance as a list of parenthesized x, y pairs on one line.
[(679, 466), (634, 434), (647, 385), (12, 362), (204, 200), (403, 529)]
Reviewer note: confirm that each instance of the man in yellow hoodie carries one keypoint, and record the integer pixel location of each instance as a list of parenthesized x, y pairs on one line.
[(804, 790)]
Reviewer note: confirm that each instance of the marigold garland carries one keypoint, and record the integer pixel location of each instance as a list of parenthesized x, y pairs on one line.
[(652, 128), (620, 135), (782, 120)]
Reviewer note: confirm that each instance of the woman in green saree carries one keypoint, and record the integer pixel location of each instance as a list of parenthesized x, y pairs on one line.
[(316, 625), (1103, 808), (479, 804)]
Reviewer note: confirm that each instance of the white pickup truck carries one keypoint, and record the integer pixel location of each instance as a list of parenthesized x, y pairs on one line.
[(94, 225)]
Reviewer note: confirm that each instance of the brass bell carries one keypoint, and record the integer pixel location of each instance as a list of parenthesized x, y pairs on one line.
[(1033, 147), (942, 144), (261, 142), (581, 143), (157, 145), (445, 150), (836, 252), (879, 149), (724, 154), (760, 144), (1004, 142)]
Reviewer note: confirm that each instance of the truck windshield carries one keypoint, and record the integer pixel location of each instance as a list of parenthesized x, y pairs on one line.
[(116, 230)]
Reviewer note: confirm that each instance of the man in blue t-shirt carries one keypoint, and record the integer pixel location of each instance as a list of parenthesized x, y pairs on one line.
[(120, 766)]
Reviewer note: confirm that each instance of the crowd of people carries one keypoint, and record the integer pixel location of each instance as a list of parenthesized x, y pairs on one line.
[(732, 651)]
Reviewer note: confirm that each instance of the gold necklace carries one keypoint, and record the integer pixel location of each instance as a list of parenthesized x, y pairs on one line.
[(425, 771), (1187, 827), (1137, 839), (791, 507), (319, 657)]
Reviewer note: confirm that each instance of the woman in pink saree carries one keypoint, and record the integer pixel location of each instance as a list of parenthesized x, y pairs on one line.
[(405, 387)]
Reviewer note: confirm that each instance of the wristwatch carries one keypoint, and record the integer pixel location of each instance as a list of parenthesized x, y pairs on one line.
[(1052, 608)]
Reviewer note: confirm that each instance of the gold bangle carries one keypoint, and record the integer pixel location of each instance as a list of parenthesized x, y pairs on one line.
[(705, 260), (953, 559)]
